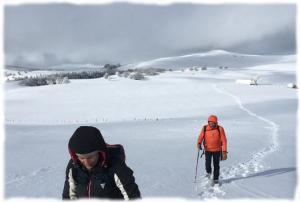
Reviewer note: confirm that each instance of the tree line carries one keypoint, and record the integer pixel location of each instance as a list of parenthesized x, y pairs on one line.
[(106, 72)]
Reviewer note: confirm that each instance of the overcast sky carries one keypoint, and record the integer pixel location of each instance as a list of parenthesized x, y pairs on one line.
[(52, 34)]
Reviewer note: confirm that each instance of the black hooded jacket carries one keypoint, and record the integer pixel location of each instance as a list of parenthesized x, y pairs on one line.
[(111, 180)]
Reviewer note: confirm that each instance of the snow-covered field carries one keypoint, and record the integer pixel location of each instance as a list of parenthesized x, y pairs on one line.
[(158, 121)]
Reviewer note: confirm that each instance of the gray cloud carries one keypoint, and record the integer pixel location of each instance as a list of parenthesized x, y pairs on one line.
[(63, 33)]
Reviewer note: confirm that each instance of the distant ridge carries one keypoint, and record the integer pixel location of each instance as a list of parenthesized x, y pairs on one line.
[(213, 58)]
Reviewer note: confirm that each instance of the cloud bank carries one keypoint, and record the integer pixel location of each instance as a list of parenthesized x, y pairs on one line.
[(53, 34)]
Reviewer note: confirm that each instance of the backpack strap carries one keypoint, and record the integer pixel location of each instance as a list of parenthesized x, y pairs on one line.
[(204, 130), (219, 132)]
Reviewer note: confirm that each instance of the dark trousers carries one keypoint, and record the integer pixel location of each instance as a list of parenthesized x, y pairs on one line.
[(216, 160)]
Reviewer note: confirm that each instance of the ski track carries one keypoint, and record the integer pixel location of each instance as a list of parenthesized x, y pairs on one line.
[(240, 170)]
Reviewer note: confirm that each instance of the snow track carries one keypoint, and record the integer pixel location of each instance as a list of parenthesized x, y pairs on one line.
[(244, 169), (206, 190)]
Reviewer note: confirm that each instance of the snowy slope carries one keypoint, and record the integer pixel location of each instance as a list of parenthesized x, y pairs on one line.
[(158, 121), (215, 58)]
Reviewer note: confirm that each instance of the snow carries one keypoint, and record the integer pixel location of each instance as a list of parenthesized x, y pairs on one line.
[(215, 58), (245, 81), (158, 121)]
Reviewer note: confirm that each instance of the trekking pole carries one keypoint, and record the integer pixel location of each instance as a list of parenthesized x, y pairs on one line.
[(197, 164)]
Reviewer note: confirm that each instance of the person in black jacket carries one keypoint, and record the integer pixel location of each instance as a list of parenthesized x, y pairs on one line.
[(97, 169)]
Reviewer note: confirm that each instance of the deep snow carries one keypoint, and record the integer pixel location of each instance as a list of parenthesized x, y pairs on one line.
[(158, 121)]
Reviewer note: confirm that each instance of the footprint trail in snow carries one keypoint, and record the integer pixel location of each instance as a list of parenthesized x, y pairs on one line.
[(243, 169)]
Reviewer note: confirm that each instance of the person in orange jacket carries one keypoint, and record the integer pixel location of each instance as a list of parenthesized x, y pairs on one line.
[(215, 145)]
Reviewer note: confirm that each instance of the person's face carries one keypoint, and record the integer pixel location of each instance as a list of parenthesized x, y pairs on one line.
[(89, 160), (212, 124)]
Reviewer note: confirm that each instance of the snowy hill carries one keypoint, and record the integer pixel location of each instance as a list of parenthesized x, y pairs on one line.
[(215, 58), (158, 121), (211, 59)]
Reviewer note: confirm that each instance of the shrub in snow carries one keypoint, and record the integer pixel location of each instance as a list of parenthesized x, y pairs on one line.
[(106, 75), (125, 74), (203, 68), (59, 80), (118, 74), (111, 69), (34, 82), (81, 75), (195, 68), (65, 80), (136, 76), (44, 80), (255, 79), (49, 82), (150, 71), (292, 85)]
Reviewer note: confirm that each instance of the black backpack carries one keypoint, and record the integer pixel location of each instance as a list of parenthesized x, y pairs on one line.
[(116, 152)]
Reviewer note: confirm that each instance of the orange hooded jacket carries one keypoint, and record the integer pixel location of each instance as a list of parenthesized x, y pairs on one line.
[(213, 140)]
